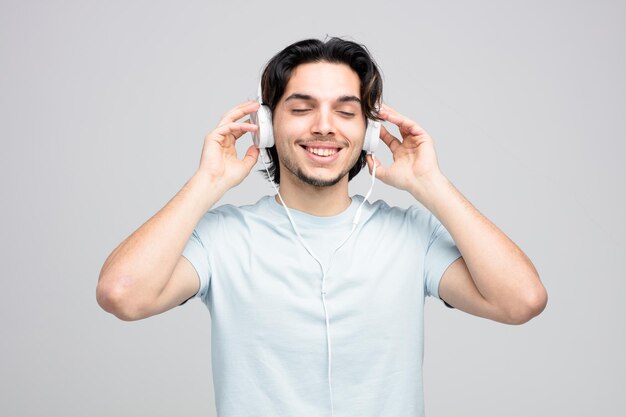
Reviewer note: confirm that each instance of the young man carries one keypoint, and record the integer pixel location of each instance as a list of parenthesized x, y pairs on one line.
[(315, 311)]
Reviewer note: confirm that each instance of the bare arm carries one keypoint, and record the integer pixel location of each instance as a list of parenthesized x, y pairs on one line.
[(146, 274), (494, 278), (137, 272)]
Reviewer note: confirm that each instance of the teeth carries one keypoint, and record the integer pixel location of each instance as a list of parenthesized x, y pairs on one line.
[(322, 152)]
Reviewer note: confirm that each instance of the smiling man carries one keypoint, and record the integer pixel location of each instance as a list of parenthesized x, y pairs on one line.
[(316, 297), (320, 125)]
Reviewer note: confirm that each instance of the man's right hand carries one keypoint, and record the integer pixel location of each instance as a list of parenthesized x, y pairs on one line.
[(219, 162), (147, 274)]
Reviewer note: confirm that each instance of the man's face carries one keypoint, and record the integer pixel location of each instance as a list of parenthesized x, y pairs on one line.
[(318, 124)]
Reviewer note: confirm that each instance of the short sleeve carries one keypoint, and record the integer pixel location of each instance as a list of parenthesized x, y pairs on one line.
[(197, 251), (440, 253)]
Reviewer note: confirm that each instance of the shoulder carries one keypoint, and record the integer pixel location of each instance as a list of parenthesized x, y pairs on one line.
[(413, 222), (229, 213), (380, 210), (227, 218)]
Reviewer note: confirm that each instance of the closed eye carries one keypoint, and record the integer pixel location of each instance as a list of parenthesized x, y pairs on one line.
[(300, 110)]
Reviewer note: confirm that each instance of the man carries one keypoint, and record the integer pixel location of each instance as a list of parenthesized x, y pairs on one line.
[(315, 312)]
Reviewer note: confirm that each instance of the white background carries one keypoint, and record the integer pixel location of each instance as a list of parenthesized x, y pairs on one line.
[(103, 111)]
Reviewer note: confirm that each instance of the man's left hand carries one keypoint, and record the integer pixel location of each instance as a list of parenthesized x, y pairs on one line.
[(414, 159)]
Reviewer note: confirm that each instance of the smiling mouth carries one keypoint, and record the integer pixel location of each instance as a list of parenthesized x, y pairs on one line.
[(324, 152)]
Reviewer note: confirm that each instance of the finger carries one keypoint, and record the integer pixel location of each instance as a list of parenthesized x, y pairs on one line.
[(380, 170), (236, 129), (238, 112), (390, 140), (390, 110), (386, 107), (406, 125), (395, 118)]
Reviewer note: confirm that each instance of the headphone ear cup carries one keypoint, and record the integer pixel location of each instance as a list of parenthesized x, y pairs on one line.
[(264, 136), (372, 136)]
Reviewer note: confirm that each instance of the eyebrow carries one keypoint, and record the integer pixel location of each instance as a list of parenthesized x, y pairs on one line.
[(341, 99)]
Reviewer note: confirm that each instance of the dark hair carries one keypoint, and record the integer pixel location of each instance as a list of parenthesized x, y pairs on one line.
[(278, 71)]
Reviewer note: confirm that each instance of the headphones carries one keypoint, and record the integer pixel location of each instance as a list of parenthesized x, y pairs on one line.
[(264, 135)]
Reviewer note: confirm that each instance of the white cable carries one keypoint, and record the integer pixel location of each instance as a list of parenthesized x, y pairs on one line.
[(358, 212), (355, 222)]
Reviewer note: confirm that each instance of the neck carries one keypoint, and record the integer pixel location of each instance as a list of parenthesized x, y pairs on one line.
[(317, 201)]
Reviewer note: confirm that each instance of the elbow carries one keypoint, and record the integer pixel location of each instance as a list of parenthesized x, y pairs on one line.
[(533, 304), (112, 298)]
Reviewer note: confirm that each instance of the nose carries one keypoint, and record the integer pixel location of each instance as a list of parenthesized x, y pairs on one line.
[(323, 123)]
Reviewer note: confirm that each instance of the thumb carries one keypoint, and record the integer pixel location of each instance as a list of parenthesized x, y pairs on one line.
[(251, 156), (380, 170)]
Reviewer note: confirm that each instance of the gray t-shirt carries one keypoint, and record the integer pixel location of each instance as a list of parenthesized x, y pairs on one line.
[(268, 322)]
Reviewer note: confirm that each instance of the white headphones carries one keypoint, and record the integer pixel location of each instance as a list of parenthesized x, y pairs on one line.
[(264, 136)]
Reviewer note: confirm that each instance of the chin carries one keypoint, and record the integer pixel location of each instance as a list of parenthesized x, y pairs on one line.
[(314, 175), (319, 181)]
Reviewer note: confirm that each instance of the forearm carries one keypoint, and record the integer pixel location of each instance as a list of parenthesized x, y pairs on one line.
[(140, 267), (502, 273)]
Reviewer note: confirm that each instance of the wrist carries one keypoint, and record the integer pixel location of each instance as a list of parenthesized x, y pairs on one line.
[(206, 189), (426, 189)]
